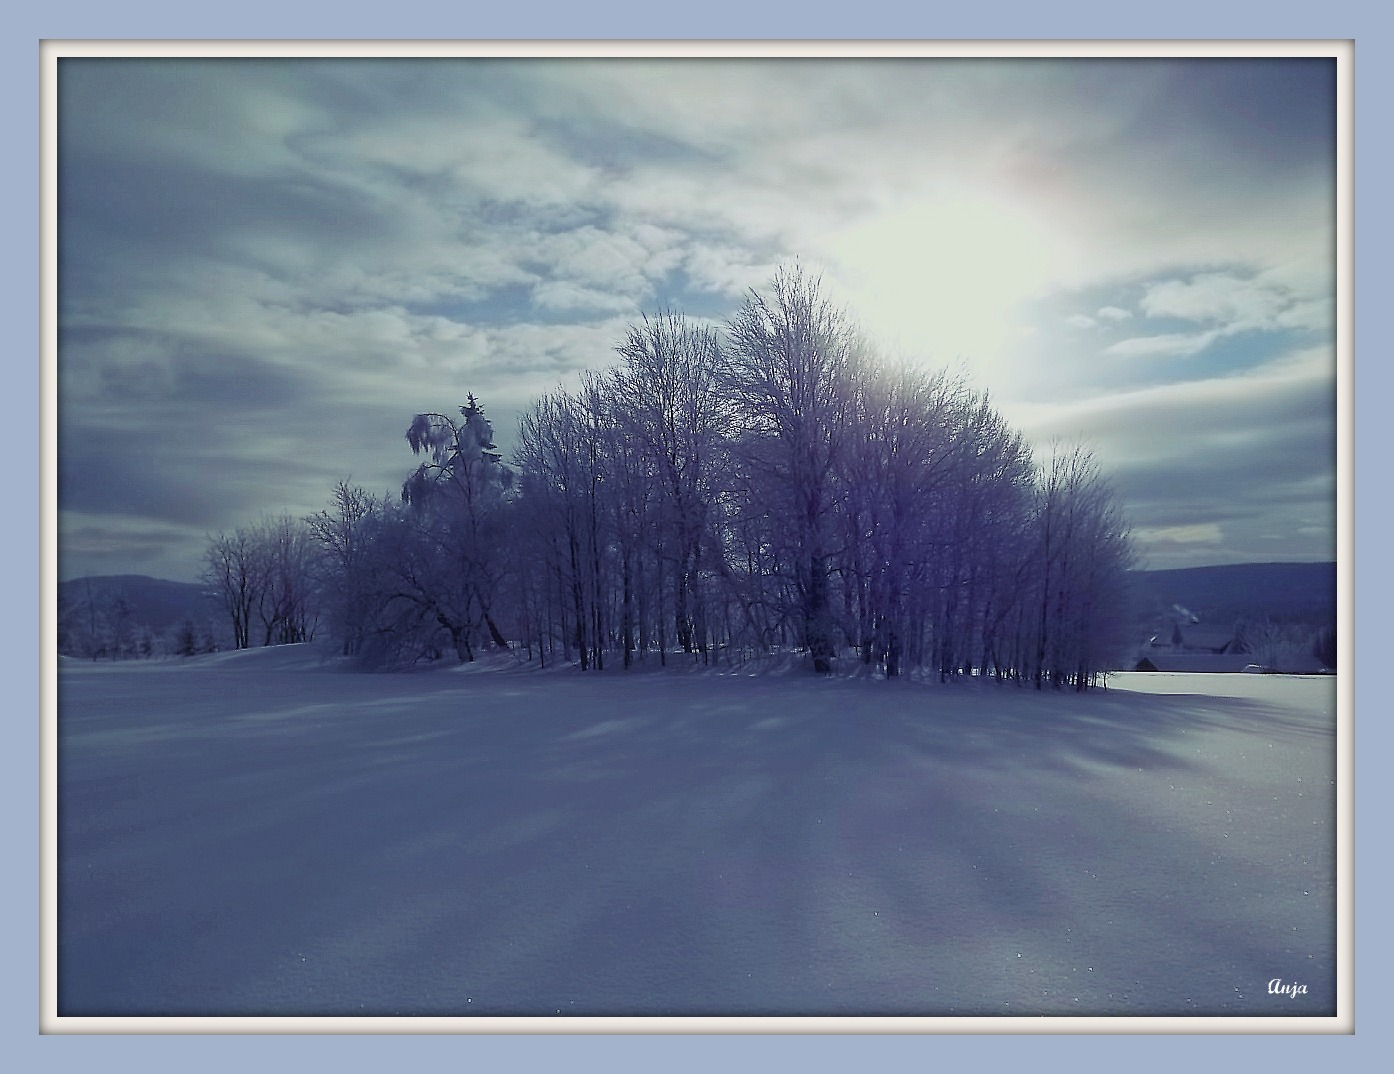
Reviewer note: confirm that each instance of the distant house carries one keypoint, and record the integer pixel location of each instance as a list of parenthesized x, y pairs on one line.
[(1192, 638), (1192, 647)]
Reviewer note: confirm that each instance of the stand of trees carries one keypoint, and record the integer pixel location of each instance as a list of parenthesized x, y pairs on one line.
[(717, 494), (131, 618), (1282, 646), (99, 625), (263, 575)]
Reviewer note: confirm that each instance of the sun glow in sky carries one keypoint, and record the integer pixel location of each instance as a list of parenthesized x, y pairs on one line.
[(943, 278), (266, 266)]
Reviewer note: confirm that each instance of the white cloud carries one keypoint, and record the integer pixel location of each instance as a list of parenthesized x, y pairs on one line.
[(1214, 415), (563, 296), (1230, 304), (488, 155), (1214, 297), (1203, 533), (1172, 345), (728, 270), (1113, 313), (1315, 314), (592, 257), (1265, 301)]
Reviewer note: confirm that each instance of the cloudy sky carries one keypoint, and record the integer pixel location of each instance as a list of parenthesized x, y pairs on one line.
[(267, 266)]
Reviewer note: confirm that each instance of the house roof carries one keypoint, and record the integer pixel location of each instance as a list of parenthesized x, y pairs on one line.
[(1212, 638), (1213, 662), (1196, 638)]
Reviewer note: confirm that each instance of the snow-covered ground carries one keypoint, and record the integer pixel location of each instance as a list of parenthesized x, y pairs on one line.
[(262, 834)]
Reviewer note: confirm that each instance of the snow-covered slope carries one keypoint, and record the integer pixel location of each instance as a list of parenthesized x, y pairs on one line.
[(261, 834)]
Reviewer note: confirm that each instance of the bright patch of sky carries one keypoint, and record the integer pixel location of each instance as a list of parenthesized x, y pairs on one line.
[(267, 266)]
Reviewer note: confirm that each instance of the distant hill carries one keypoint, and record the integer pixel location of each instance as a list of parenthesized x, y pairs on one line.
[(153, 602), (1301, 593)]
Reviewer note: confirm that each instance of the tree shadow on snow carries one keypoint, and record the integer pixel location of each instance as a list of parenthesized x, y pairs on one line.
[(572, 845)]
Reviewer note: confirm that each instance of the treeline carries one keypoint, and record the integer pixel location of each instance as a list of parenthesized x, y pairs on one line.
[(1282, 646), (105, 619), (719, 494)]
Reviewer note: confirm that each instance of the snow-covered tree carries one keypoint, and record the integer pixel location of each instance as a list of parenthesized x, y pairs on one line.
[(446, 548), (774, 483)]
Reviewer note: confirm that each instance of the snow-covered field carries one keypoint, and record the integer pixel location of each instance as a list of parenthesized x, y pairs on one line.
[(260, 834)]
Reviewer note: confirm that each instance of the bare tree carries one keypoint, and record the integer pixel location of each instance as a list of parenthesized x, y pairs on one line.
[(235, 570), (263, 575), (792, 359), (1080, 561), (669, 409), (285, 604), (345, 567), (561, 460)]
